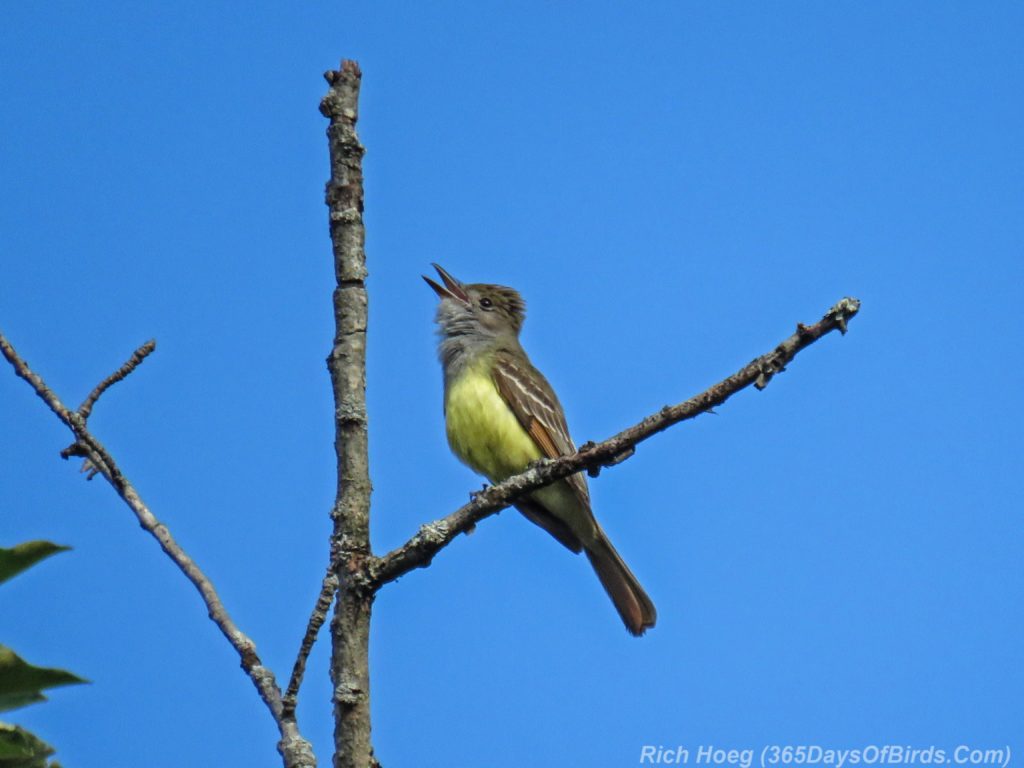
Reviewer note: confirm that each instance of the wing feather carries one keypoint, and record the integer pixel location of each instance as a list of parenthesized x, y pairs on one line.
[(535, 405)]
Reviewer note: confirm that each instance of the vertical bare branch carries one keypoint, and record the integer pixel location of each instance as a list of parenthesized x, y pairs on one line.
[(350, 627)]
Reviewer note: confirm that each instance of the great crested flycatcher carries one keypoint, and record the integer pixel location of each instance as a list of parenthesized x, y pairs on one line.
[(501, 414)]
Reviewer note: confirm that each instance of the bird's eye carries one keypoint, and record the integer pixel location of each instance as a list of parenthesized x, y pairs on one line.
[(486, 303)]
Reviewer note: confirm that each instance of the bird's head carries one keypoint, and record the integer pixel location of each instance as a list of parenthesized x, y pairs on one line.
[(477, 309)]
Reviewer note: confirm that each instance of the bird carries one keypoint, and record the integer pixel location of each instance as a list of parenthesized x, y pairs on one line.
[(501, 415)]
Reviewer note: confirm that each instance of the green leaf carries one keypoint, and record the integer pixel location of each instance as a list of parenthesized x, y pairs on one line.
[(21, 683), (14, 561), (20, 699), (21, 749)]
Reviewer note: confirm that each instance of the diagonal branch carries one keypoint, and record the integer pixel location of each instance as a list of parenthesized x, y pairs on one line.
[(133, 362), (316, 620), (418, 551), (22, 370), (296, 750)]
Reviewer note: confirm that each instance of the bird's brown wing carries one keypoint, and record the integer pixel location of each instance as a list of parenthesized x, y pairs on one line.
[(535, 405), (537, 409)]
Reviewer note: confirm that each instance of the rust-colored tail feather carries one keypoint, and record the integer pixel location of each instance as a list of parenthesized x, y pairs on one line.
[(632, 603)]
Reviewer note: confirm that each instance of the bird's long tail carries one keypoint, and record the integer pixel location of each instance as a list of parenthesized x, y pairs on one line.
[(632, 603)]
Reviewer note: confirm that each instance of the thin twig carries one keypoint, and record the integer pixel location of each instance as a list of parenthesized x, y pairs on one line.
[(296, 751), (418, 551), (133, 362), (316, 621)]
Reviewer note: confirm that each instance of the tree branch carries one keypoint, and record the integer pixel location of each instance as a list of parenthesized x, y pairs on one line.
[(418, 551), (296, 751), (316, 620), (34, 380), (133, 362), (350, 545)]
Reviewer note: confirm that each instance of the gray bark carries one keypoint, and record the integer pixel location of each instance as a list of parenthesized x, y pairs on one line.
[(350, 543)]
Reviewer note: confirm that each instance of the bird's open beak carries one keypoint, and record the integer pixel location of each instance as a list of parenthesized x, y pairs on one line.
[(452, 288)]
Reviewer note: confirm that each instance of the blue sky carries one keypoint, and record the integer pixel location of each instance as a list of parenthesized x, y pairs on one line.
[(672, 186)]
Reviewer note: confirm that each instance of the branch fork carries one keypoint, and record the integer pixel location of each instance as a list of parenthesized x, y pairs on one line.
[(295, 750)]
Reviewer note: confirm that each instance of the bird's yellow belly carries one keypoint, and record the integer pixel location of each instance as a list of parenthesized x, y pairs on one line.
[(482, 430)]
